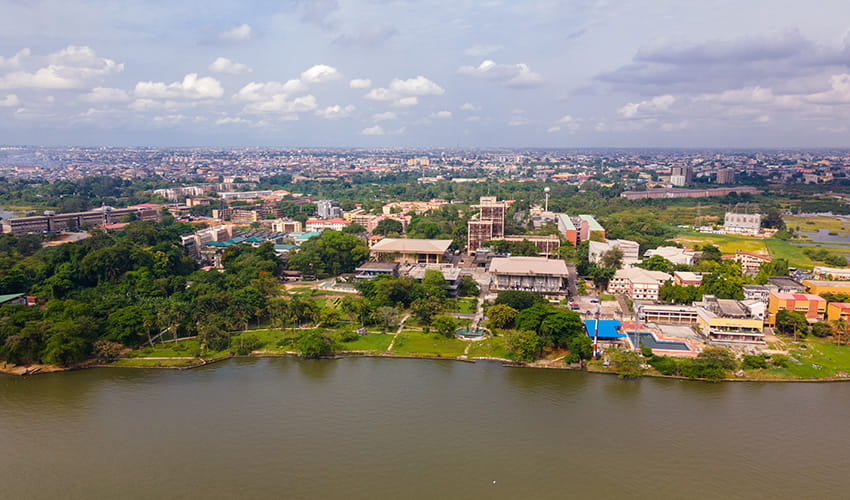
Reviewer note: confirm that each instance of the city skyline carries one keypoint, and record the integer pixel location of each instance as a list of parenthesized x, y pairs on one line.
[(378, 73)]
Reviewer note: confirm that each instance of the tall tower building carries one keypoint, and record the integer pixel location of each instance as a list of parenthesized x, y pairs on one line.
[(488, 225), (726, 176)]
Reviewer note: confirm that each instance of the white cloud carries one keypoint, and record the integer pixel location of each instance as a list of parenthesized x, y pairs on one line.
[(404, 93), (335, 112), (648, 107), (105, 94), (389, 115), (191, 87), (14, 61), (482, 50), (442, 115), (468, 106), (73, 67), (360, 83), (373, 130), (231, 120), (553, 129), (261, 91), (237, 34), (280, 104), (568, 122), (509, 75), (320, 73), (10, 101), (225, 65)]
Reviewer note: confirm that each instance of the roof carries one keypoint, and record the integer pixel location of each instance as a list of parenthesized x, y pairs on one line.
[(607, 328), (688, 276), (591, 223), (799, 296), (840, 305), (8, 297), (528, 266), (829, 283), (335, 220), (638, 275), (410, 245), (765, 258), (377, 266), (567, 222)]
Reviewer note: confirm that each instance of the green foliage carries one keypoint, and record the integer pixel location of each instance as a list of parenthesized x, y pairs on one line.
[(332, 252), (425, 308), (612, 259), (313, 345), (646, 352), (468, 287), (751, 362), (825, 256), (106, 351), (388, 226), (519, 299), (522, 248), (434, 284), (773, 219), (678, 294), (522, 345), (780, 360), (501, 316), (665, 365), (445, 325), (821, 329), (792, 323), (354, 228), (720, 356), (657, 263), (627, 364), (246, 343)]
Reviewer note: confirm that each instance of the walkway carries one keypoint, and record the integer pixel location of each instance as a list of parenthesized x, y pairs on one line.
[(400, 328)]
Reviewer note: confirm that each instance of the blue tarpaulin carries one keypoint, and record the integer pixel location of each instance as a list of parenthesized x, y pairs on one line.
[(607, 328)]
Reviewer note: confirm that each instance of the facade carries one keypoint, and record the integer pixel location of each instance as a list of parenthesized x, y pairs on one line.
[(589, 228), (819, 287), (838, 310), (533, 274), (726, 176), (488, 225), (546, 245), (567, 229), (327, 209), (750, 262), (833, 273), (785, 284), (666, 314), (637, 283), (244, 195), (757, 292), (813, 306), (51, 223), (337, 224), (682, 256), (734, 223), (686, 193), (410, 251), (687, 278), (286, 226), (369, 270), (728, 321), (630, 249)]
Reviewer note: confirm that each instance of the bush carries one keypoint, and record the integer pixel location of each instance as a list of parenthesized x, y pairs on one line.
[(780, 360), (106, 351), (314, 345), (821, 329), (754, 362), (664, 364), (445, 325), (519, 299), (627, 364), (702, 368), (347, 336), (246, 343), (646, 352)]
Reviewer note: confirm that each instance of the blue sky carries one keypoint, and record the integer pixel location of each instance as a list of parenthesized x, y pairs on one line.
[(715, 73)]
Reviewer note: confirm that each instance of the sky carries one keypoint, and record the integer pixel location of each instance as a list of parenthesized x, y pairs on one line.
[(425, 73)]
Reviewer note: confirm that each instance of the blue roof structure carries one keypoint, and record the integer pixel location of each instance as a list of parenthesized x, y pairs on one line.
[(607, 328)]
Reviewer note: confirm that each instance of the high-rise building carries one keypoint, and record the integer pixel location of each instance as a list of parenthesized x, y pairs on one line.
[(488, 225), (327, 209), (726, 176), (682, 176)]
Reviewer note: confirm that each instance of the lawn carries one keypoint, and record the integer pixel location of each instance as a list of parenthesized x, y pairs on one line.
[(182, 348), (375, 342), (427, 344), (814, 223), (491, 347), (467, 305)]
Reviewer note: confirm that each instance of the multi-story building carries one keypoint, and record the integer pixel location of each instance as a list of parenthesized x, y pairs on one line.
[(567, 229), (750, 262), (589, 228), (337, 224), (687, 278), (533, 274), (819, 287), (838, 310), (666, 313), (637, 283), (682, 176), (488, 225), (410, 251), (813, 306), (729, 321), (327, 209), (546, 245), (51, 222), (833, 273), (726, 176), (244, 195), (683, 256), (742, 223), (286, 226), (630, 249), (757, 292)]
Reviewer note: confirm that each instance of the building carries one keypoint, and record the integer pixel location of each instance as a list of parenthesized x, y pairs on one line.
[(758, 292), (637, 283), (369, 270), (813, 306), (546, 245), (452, 276), (533, 274), (51, 222), (687, 278), (726, 176), (337, 224), (327, 209), (410, 251), (831, 273), (607, 332), (679, 256), (750, 262), (286, 226), (819, 287), (13, 299), (488, 225), (686, 193), (838, 310), (682, 176), (417, 207), (567, 229), (734, 223), (589, 228), (785, 284), (729, 321), (672, 314), (244, 195), (630, 249)]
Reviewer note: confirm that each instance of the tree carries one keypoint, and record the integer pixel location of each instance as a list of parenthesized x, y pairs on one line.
[(434, 284), (426, 308), (332, 252), (612, 259), (354, 228), (559, 326), (468, 287), (792, 323), (657, 263), (519, 299), (532, 317), (627, 364), (720, 356), (328, 316), (711, 252), (388, 226), (821, 329), (522, 345), (388, 317), (444, 325), (501, 316), (773, 219), (314, 345), (106, 351)]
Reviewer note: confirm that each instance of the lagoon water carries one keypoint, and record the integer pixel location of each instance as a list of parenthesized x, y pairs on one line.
[(401, 428)]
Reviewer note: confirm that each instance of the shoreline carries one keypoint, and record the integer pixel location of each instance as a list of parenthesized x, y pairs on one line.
[(29, 370)]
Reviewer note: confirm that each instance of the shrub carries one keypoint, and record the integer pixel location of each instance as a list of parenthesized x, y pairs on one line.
[(780, 360), (246, 343), (664, 364), (646, 352), (314, 345), (754, 362)]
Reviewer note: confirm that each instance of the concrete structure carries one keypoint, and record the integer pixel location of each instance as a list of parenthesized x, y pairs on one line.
[(671, 314), (680, 256), (687, 278), (408, 250), (546, 245), (819, 287), (785, 284), (734, 223), (567, 229), (51, 223), (337, 224), (757, 292), (686, 193), (417, 207), (630, 249), (327, 209), (589, 228), (838, 310), (729, 322), (286, 226), (682, 176), (244, 195), (488, 225), (534, 274), (813, 306), (369, 270), (832, 273), (637, 283), (451, 274), (725, 176), (13, 299), (749, 261)]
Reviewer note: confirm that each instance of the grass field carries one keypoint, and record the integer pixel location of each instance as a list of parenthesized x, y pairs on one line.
[(812, 224), (377, 342), (492, 347), (427, 344)]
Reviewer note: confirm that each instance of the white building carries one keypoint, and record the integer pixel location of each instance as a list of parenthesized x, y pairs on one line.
[(637, 283), (742, 223), (533, 274), (630, 249), (683, 256)]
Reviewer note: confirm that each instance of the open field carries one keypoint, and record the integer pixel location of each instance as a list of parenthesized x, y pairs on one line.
[(816, 222), (427, 344), (377, 342), (491, 347)]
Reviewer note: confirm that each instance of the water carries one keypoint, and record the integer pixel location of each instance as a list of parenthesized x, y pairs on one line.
[(6, 215), (397, 428)]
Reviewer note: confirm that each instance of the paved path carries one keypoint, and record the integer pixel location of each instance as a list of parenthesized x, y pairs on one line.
[(400, 328)]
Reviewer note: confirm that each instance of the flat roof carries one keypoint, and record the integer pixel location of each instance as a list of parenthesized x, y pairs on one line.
[(607, 328), (567, 222), (528, 266), (591, 223), (836, 283), (840, 305), (410, 245), (799, 296), (8, 297)]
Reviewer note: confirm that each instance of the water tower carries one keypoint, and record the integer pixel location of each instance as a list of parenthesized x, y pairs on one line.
[(546, 204)]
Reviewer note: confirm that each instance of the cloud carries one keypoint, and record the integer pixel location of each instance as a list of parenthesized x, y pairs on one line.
[(568, 122), (10, 101), (373, 130), (226, 66), (238, 34), (369, 36), (360, 83), (191, 87), (335, 112), (280, 104), (509, 75), (104, 95), (319, 12), (389, 115), (255, 91), (552, 129), (405, 93), (442, 115), (232, 120), (14, 62), (73, 67), (468, 106), (320, 73), (482, 50), (648, 107)]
